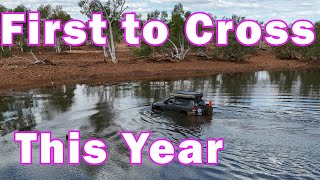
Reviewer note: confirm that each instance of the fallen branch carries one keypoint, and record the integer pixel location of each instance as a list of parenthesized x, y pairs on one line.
[(37, 61), (166, 59), (140, 57)]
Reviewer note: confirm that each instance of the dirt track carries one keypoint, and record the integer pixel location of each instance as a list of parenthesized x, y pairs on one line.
[(88, 68)]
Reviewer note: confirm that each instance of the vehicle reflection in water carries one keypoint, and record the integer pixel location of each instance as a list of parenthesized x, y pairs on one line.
[(270, 122)]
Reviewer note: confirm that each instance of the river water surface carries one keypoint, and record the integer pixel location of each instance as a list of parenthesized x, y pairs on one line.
[(270, 122)]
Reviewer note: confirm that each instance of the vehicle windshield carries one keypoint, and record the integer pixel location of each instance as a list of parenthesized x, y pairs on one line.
[(170, 100)]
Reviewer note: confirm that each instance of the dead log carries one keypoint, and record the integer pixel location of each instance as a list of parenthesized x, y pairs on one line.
[(140, 57), (166, 59), (36, 60), (41, 62)]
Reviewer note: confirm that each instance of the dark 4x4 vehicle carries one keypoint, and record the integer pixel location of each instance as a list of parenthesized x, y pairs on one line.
[(190, 103)]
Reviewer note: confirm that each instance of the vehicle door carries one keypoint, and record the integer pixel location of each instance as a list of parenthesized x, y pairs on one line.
[(169, 104), (181, 105)]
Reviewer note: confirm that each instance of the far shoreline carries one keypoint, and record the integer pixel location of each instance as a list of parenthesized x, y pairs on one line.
[(18, 75)]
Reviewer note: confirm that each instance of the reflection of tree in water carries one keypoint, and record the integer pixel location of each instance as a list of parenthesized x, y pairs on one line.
[(21, 123), (103, 117), (197, 85), (231, 83), (106, 113), (284, 80), (306, 83), (61, 97), (148, 92), (238, 86), (310, 83), (159, 90), (101, 120), (145, 91), (16, 114)]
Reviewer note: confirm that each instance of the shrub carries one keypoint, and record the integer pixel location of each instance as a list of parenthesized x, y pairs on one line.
[(5, 53), (143, 50), (311, 52), (287, 51), (234, 51), (25, 47), (291, 51)]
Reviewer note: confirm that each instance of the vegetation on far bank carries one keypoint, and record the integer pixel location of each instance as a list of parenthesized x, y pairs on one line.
[(177, 48)]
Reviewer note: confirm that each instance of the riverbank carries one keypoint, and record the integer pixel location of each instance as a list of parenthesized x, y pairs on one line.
[(18, 74)]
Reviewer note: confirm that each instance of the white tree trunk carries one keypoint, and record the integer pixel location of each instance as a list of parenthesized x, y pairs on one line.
[(179, 55), (112, 49), (114, 58), (116, 10), (21, 47), (105, 52), (58, 47)]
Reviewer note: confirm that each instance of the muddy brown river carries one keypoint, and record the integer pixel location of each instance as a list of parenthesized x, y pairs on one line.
[(270, 122)]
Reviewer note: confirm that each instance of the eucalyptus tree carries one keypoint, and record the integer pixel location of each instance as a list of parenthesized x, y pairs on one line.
[(146, 49), (234, 51), (47, 12), (292, 51), (4, 9), (59, 13), (177, 45), (22, 39), (112, 11), (177, 38)]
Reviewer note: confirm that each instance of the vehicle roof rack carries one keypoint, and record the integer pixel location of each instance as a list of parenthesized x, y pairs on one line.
[(187, 95)]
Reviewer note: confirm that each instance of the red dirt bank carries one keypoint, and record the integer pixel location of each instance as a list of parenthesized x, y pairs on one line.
[(89, 68)]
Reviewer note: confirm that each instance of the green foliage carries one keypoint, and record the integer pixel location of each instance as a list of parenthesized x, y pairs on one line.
[(153, 15), (291, 51), (3, 8), (59, 13), (287, 51), (112, 11), (310, 52), (176, 25), (45, 11), (5, 53), (21, 8), (26, 48), (21, 39), (89, 6), (234, 51), (53, 13), (144, 50)]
